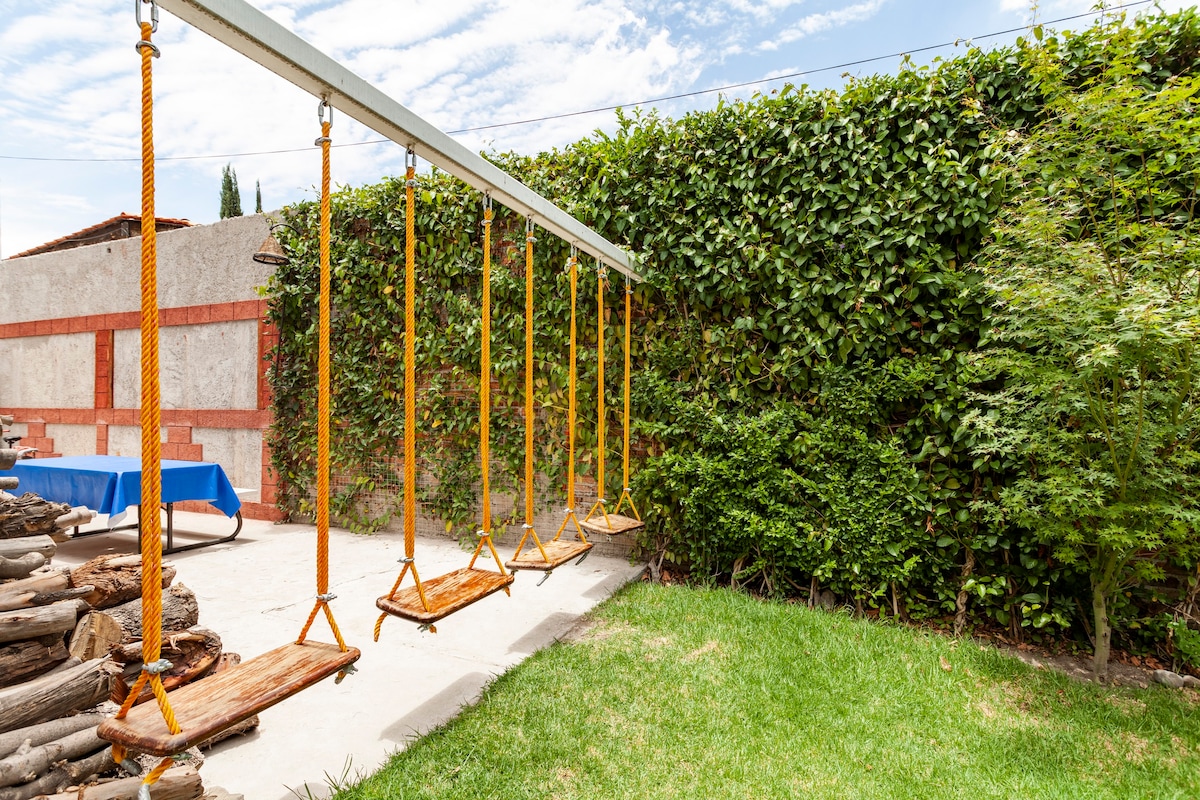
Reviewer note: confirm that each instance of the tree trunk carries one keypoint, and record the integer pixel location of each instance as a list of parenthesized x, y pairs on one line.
[(23, 767), (30, 623), (56, 695), (177, 783), (15, 548), (21, 660), (45, 732), (960, 603), (1103, 634), (117, 578), (70, 773), (22, 566), (180, 611)]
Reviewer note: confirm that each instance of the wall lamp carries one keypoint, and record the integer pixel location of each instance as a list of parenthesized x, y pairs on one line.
[(271, 251)]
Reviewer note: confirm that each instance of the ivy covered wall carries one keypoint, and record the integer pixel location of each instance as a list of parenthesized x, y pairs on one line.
[(802, 341)]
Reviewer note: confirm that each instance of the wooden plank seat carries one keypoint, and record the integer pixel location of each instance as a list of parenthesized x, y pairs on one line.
[(213, 704), (445, 594), (558, 552), (615, 523)]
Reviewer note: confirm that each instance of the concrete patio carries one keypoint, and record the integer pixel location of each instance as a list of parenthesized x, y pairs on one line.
[(256, 592)]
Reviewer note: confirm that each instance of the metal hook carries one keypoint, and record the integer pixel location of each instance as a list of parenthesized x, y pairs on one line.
[(321, 106), (410, 157), (137, 6)]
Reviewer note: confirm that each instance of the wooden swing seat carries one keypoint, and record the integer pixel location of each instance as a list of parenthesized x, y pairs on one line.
[(445, 594), (615, 523), (558, 552), (211, 705)]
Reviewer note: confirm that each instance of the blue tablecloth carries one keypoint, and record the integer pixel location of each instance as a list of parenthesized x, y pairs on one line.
[(109, 484)]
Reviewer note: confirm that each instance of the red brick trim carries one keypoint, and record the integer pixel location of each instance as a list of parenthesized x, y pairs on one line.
[(249, 510), (104, 368), (167, 317), (253, 419)]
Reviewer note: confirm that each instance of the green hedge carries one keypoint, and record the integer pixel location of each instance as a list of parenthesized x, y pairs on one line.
[(802, 345)]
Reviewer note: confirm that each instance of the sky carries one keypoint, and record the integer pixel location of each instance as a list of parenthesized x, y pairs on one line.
[(70, 85)]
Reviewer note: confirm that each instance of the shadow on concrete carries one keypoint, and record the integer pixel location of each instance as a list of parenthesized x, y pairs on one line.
[(437, 710), (551, 629)]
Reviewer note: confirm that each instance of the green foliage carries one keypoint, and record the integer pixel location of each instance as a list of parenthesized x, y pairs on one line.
[(258, 209), (1094, 268), (231, 198), (804, 347)]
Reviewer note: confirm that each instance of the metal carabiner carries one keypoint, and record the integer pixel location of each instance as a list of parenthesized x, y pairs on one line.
[(137, 7), (321, 106), (410, 157)]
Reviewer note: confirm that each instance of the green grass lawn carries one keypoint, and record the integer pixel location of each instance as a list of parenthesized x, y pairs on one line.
[(689, 693)]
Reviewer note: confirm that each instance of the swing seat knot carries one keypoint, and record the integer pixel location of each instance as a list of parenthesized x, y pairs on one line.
[(328, 597), (157, 667)]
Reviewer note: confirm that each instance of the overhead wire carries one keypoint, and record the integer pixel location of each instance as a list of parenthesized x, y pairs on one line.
[(601, 109)]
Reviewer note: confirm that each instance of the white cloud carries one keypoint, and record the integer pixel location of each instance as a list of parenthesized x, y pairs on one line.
[(819, 23)]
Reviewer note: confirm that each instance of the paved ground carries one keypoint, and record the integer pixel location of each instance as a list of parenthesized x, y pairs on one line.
[(256, 593)]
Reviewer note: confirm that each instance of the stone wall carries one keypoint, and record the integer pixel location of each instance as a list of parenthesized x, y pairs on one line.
[(70, 344)]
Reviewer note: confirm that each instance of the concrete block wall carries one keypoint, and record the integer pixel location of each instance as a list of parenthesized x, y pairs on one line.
[(71, 347)]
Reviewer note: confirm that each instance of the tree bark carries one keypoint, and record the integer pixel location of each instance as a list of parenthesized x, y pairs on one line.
[(21, 660), (1103, 634), (117, 578), (15, 548), (178, 783), (22, 767), (960, 603), (22, 566), (45, 732), (56, 695), (180, 611), (9, 482), (30, 623), (192, 653)]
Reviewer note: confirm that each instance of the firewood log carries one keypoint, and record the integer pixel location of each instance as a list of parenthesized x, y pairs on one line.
[(117, 578), (44, 732), (9, 482), (21, 566), (30, 623), (67, 774), (180, 611), (95, 636), (177, 783), (15, 548), (19, 593), (24, 766), (21, 660), (8, 458), (193, 654), (29, 515), (56, 695), (78, 515)]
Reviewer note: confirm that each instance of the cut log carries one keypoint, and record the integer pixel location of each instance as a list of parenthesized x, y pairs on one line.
[(227, 661), (20, 593), (180, 611), (56, 695), (117, 578), (30, 623), (21, 660), (9, 482), (193, 654), (95, 636), (22, 767), (66, 775), (21, 566), (29, 515), (7, 420), (44, 732), (177, 783), (15, 548), (79, 515), (8, 457)]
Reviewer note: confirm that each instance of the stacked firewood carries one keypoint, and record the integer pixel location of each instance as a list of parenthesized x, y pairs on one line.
[(70, 647)]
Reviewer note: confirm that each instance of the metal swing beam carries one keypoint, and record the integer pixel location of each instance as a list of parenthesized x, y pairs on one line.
[(247, 30)]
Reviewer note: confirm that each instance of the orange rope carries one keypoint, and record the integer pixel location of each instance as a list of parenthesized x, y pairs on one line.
[(149, 521), (626, 496), (571, 378), (600, 500), (323, 396), (485, 371)]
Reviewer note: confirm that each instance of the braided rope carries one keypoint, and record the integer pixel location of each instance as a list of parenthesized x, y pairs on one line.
[(485, 374), (625, 494), (149, 521), (410, 368), (573, 370)]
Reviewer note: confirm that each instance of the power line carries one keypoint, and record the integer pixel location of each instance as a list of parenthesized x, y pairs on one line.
[(570, 114)]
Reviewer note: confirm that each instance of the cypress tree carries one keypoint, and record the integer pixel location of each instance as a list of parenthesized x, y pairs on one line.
[(231, 198)]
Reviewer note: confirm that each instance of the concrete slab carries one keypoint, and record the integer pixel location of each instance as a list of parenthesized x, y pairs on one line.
[(257, 592)]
